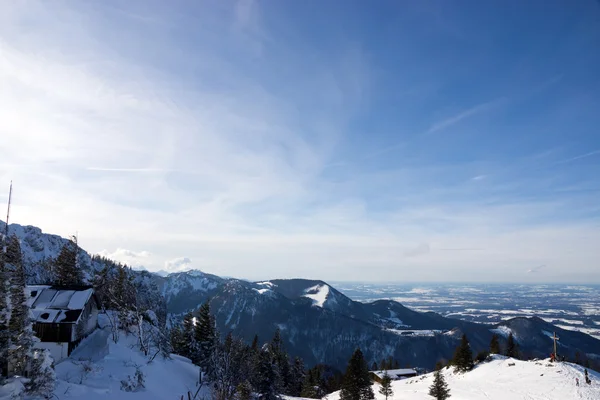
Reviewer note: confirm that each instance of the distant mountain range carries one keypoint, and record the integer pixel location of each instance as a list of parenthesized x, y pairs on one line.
[(317, 322)]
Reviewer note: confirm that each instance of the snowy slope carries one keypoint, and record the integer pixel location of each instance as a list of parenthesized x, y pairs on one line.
[(110, 362), (318, 294), (496, 380)]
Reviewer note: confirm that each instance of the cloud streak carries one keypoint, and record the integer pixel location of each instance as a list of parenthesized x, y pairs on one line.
[(579, 157), (536, 269), (465, 114)]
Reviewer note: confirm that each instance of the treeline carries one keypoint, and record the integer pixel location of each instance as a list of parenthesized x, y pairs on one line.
[(232, 368)]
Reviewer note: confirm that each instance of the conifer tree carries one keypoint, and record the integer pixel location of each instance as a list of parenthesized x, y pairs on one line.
[(310, 386), (254, 346), (177, 340), (495, 345), (511, 347), (439, 389), (189, 347), (282, 363), (374, 366), (386, 386), (357, 383), (267, 376), (463, 357), (42, 376), (254, 362), (205, 336), (19, 325), (244, 391), (67, 270), (297, 374)]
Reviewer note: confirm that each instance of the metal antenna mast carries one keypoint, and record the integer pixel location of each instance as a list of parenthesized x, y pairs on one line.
[(5, 238)]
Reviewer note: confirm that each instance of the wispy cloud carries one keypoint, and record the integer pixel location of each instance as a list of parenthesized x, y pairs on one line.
[(149, 170), (178, 264), (131, 258), (468, 113), (579, 157), (535, 269)]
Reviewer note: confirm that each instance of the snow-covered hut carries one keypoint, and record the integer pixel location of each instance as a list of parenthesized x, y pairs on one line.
[(62, 316), (395, 374)]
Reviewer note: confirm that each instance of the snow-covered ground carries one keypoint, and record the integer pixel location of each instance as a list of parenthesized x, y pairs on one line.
[(318, 294), (497, 380), (98, 365)]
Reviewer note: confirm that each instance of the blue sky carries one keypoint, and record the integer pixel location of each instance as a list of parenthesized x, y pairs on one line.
[(340, 140)]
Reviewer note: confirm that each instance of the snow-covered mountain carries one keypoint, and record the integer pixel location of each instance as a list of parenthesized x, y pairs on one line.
[(318, 323), (503, 379)]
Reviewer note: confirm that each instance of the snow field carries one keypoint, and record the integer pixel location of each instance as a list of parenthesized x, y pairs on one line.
[(497, 380)]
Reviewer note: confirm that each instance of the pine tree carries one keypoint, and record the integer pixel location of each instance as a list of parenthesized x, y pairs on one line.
[(267, 376), (254, 346), (19, 327), (357, 383), (374, 366), (310, 386), (244, 391), (205, 337), (177, 340), (463, 357), (495, 345), (42, 376), (189, 347), (67, 270), (282, 363), (298, 373), (439, 389), (511, 347), (386, 386), (254, 362)]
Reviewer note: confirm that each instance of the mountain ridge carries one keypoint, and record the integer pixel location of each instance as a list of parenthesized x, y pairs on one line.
[(317, 322)]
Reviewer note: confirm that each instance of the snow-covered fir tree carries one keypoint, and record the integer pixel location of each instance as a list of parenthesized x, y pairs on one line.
[(267, 376), (66, 269), (42, 377), (20, 332), (205, 338), (189, 347)]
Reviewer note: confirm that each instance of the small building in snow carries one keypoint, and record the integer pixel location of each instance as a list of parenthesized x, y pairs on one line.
[(62, 316), (395, 374)]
